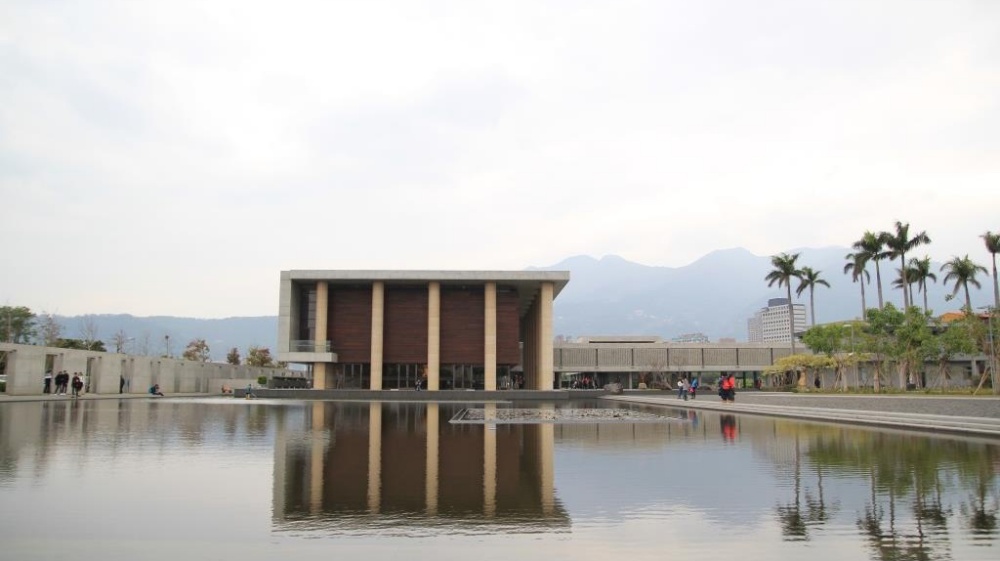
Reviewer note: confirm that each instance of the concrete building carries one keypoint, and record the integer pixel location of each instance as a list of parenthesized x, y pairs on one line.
[(770, 324), (434, 329)]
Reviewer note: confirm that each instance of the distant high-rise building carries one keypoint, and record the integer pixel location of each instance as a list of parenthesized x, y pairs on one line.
[(691, 338), (770, 324)]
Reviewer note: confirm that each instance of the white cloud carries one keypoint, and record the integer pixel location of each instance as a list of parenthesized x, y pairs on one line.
[(171, 158)]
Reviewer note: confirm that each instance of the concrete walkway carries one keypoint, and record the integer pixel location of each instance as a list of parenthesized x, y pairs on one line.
[(963, 415), (4, 398)]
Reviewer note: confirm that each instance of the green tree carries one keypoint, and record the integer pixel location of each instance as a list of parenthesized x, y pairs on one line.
[(17, 324), (80, 345), (197, 350), (808, 278), (993, 246), (912, 338), (898, 244), (233, 357), (954, 338), (259, 356), (832, 340), (878, 339), (871, 247), (783, 273), (962, 271), (919, 274), (856, 267)]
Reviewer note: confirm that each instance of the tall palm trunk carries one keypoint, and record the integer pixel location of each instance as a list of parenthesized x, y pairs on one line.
[(878, 281), (925, 299), (791, 315), (968, 301), (812, 307), (996, 287), (864, 307)]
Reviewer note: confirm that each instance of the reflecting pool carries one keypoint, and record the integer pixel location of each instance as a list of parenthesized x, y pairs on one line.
[(233, 479)]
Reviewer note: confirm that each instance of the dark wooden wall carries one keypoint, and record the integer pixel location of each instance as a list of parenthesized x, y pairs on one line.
[(462, 330), (404, 339), (405, 325), (508, 326), (349, 324)]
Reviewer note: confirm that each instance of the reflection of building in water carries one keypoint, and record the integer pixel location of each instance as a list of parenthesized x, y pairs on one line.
[(347, 467)]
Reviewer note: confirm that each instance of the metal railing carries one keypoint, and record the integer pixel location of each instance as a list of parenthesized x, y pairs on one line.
[(302, 346)]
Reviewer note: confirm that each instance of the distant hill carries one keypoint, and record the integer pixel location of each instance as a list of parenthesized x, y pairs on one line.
[(608, 296), (148, 334), (714, 295)]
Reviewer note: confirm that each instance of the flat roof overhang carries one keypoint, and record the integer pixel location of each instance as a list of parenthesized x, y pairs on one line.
[(527, 283)]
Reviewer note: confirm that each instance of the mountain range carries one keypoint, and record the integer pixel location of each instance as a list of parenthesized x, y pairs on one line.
[(607, 296)]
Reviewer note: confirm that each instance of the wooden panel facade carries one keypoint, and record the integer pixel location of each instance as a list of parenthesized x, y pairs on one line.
[(349, 323), (508, 328), (405, 335), (405, 323), (463, 316)]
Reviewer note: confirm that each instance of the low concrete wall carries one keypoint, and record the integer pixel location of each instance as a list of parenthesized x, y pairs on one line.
[(104, 372), (413, 395)]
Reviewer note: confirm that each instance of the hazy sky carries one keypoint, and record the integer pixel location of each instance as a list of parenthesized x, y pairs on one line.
[(171, 158)]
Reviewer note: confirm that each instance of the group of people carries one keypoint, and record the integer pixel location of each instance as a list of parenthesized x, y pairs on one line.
[(727, 387), (63, 383), (686, 388)]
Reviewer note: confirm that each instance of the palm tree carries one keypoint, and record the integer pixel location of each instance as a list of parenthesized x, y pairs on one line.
[(872, 247), (963, 271), (808, 278), (856, 266), (919, 273), (993, 246), (898, 244), (783, 273)]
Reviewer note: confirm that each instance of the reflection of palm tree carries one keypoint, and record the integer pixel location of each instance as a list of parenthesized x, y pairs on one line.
[(793, 524), (981, 516)]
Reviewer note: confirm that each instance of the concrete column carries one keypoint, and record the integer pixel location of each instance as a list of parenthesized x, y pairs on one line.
[(431, 481), (546, 375), (490, 461), (319, 375), (378, 317), (527, 354), (490, 341), (433, 336), (322, 305), (375, 458), (546, 465), (278, 482), (317, 455)]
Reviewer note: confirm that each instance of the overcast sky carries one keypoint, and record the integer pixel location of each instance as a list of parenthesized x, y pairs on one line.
[(171, 158)]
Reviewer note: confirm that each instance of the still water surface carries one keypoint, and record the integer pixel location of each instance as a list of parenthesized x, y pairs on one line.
[(231, 479)]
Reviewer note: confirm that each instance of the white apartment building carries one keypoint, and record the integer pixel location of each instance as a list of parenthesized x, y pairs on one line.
[(770, 324)]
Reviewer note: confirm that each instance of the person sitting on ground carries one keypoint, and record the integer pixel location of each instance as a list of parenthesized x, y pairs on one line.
[(155, 390)]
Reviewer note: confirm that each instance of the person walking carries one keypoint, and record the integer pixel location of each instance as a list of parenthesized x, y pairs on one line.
[(77, 384), (47, 382), (694, 387), (682, 388)]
